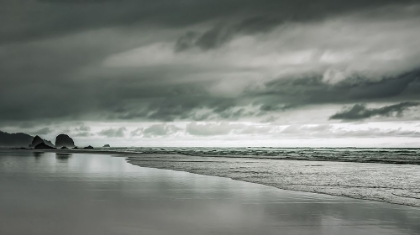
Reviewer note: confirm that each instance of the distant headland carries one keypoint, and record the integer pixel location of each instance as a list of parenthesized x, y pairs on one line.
[(24, 141)]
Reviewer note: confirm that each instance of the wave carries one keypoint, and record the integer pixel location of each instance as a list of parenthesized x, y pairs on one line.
[(371, 155)]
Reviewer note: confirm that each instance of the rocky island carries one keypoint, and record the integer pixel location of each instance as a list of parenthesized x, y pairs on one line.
[(39, 143), (63, 140)]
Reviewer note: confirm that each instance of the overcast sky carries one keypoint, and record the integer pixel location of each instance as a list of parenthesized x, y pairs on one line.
[(212, 72)]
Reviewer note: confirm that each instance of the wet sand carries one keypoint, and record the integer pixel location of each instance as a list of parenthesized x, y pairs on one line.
[(62, 193)]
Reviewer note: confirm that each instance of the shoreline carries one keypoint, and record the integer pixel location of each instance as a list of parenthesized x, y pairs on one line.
[(391, 183), (413, 160), (103, 194)]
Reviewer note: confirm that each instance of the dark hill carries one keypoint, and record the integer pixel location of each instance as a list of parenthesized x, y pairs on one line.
[(14, 139)]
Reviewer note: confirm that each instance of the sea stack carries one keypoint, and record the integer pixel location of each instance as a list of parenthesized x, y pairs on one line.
[(107, 146), (37, 140), (63, 140), (88, 147)]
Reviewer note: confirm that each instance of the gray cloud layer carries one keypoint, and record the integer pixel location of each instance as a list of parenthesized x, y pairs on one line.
[(53, 58), (217, 129), (31, 19), (360, 111), (155, 130), (113, 132), (220, 34)]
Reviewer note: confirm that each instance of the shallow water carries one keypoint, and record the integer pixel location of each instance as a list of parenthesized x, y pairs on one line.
[(49, 193), (393, 183), (366, 155)]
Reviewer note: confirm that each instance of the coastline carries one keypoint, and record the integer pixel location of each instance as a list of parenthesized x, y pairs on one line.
[(86, 193), (396, 184)]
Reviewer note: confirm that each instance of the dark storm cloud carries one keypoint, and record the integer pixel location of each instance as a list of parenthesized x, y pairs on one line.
[(23, 20), (153, 102), (221, 34), (52, 53), (360, 111), (312, 90)]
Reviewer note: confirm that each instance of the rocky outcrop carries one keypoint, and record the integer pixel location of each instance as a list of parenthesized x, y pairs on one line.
[(107, 146), (88, 147), (43, 146), (63, 140), (36, 141)]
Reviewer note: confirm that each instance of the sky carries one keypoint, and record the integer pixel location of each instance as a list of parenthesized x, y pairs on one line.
[(281, 73)]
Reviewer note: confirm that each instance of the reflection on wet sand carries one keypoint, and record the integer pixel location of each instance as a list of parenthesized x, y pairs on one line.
[(62, 156), (38, 154), (97, 194)]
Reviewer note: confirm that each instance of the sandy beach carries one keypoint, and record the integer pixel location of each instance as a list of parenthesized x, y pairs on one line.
[(384, 182), (50, 193)]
